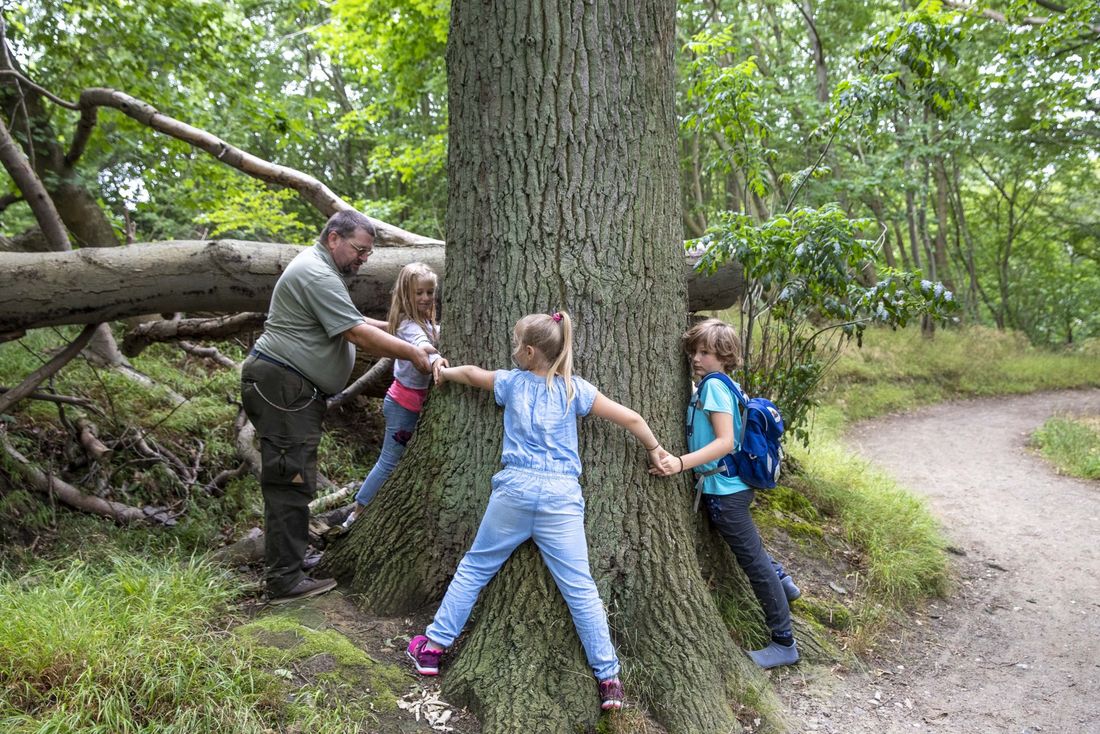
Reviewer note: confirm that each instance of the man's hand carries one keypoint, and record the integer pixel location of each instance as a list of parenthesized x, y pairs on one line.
[(420, 360)]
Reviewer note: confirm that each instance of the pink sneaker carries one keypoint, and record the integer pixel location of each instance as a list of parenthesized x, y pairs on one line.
[(425, 659), (611, 694)]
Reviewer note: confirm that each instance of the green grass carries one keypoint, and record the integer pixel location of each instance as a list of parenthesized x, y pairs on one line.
[(1071, 444), (143, 646), (900, 540), (136, 646), (900, 370)]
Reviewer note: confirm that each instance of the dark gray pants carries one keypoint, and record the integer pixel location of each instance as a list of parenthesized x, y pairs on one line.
[(287, 411), (730, 514)]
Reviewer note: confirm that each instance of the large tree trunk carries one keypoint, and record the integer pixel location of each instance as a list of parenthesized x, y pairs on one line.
[(563, 193), (225, 276)]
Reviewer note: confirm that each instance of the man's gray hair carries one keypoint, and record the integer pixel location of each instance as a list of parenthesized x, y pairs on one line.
[(345, 223)]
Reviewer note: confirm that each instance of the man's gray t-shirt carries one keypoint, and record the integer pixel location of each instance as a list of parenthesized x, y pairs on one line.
[(310, 310)]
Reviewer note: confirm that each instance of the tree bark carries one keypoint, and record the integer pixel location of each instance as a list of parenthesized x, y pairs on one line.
[(225, 276), (563, 194), (144, 334)]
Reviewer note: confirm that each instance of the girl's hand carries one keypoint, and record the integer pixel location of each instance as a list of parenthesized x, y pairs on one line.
[(437, 371), (656, 454), (667, 465)]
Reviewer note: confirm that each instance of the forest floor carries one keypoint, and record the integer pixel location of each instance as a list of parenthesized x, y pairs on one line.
[(1015, 646)]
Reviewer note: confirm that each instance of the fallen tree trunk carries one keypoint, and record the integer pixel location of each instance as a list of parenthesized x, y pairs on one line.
[(224, 276)]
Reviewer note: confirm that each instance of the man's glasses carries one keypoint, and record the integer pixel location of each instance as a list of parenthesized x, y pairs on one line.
[(362, 252)]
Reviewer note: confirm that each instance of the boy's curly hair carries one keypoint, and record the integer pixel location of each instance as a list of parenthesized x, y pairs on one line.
[(715, 336)]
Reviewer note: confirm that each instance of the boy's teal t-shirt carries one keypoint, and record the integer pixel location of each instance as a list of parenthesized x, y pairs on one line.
[(714, 398)]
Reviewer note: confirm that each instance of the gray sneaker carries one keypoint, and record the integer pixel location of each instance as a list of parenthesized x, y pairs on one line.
[(304, 589), (790, 588), (775, 655)]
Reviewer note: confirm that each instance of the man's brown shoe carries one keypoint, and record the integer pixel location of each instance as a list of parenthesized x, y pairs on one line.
[(304, 589)]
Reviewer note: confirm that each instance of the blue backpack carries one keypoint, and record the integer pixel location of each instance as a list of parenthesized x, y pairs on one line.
[(760, 455)]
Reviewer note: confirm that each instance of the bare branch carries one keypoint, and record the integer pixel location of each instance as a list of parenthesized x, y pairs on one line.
[(373, 383), (41, 90), (89, 439), (308, 187), (60, 399), (218, 483), (7, 200), (83, 134), (993, 14), (210, 353), (246, 443), (1033, 20), (33, 191), (50, 485), (326, 502), (25, 388), (1056, 7), (145, 334)]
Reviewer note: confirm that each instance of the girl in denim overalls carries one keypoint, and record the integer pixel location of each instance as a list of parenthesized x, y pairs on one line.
[(537, 495)]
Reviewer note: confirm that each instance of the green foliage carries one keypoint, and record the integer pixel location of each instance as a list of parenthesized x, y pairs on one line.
[(805, 300), (254, 212), (725, 100), (140, 646), (909, 58), (971, 141), (1071, 444)]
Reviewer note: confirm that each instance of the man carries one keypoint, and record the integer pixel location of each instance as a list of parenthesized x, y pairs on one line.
[(305, 354)]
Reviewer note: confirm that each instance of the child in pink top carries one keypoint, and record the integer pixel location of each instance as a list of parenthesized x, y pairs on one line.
[(412, 318)]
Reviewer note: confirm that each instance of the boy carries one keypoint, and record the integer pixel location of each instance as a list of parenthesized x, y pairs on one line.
[(714, 424)]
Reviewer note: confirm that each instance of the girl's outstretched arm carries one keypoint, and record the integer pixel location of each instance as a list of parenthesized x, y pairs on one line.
[(722, 424), (606, 408), (465, 374)]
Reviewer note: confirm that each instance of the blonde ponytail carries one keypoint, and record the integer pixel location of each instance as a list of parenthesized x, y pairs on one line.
[(552, 335), (563, 365)]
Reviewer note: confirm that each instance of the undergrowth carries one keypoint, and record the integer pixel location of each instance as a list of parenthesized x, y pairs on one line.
[(133, 645), (199, 431), (1071, 444)]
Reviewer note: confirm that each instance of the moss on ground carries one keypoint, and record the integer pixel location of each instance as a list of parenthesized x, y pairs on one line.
[(325, 660)]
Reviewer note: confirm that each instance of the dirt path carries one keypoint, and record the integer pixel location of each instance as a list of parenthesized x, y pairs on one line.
[(1016, 647)]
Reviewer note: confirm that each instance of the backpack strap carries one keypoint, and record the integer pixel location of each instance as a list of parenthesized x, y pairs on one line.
[(725, 463)]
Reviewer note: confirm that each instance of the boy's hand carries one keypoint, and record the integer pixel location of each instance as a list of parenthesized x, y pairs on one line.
[(666, 465)]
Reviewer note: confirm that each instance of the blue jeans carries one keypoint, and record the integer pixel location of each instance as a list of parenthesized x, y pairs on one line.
[(730, 515), (548, 508), (400, 424)]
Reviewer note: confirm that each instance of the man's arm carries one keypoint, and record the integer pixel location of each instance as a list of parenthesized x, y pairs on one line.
[(378, 342)]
